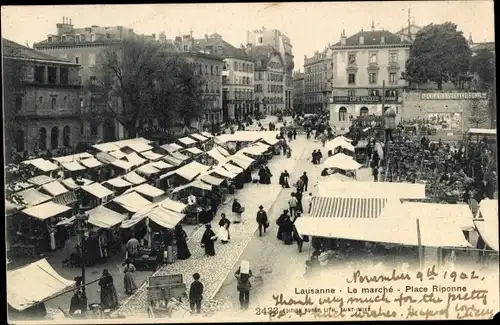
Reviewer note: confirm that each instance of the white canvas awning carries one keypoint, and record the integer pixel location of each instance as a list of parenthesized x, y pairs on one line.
[(171, 147), (339, 142), (223, 151), (341, 161), (460, 213), (333, 187), (97, 190), (147, 170), (70, 183), (46, 210), (179, 156), (165, 218), (122, 164), (33, 197), (91, 163), (198, 137), (151, 155), (487, 224), (482, 131), (34, 283), (196, 183), (118, 182), (105, 157), (253, 150), (72, 166), (241, 160), (172, 160), (233, 169), (270, 141), (186, 141), (40, 180), (118, 154), (54, 188), (191, 170), (75, 157), (223, 172), (161, 165), (207, 135), (212, 180), (216, 155), (194, 151), (148, 190), (138, 146), (175, 206), (107, 147), (43, 165), (133, 178), (103, 217), (132, 202), (135, 159)]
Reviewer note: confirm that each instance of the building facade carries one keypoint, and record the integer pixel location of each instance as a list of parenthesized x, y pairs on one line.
[(269, 79), (42, 107), (298, 91), (282, 44), (85, 46), (318, 80), (367, 76)]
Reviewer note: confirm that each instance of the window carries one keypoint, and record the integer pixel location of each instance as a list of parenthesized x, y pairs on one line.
[(393, 57), (40, 74), (235, 66), (93, 82), (392, 78), (77, 38), (212, 70), (374, 92), (42, 139), (66, 136), (186, 48), (63, 38), (91, 60), (19, 103), (260, 40), (217, 70), (77, 60), (54, 138), (20, 141), (391, 93), (94, 128), (52, 75), (82, 128), (352, 79), (65, 99), (81, 104), (343, 114), (53, 103), (372, 78), (92, 37), (363, 111), (373, 57), (63, 76), (351, 58), (351, 93)]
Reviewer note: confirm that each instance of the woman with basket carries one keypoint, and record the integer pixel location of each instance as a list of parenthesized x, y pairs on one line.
[(237, 210)]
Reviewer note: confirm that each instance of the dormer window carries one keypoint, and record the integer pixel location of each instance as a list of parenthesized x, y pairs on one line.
[(92, 37), (50, 39), (186, 48), (77, 38)]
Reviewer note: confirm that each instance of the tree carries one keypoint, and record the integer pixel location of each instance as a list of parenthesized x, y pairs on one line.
[(483, 64), (479, 115), (439, 54)]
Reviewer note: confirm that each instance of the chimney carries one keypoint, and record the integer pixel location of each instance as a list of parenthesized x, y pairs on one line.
[(343, 39), (64, 20), (154, 36), (470, 39), (70, 21), (402, 37), (206, 37), (361, 38), (382, 37)]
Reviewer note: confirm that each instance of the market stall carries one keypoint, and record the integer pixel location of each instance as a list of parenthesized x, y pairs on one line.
[(75, 157), (187, 142), (42, 166), (95, 194), (134, 178), (487, 223), (148, 171), (151, 156), (118, 154), (33, 197), (332, 186), (128, 203), (40, 180), (215, 157), (170, 147), (135, 159), (339, 162), (73, 169), (192, 152), (149, 192), (136, 147), (118, 185), (120, 167), (71, 185), (189, 172), (106, 147), (106, 224)]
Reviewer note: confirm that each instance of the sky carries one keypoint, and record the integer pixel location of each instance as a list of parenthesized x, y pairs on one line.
[(310, 26)]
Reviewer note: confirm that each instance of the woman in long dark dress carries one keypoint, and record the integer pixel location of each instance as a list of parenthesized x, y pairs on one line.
[(262, 176), (183, 252), (280, 221), (287, 231), (269, 175), (282, 179), (109, 298), (207, 241), (129, 277)]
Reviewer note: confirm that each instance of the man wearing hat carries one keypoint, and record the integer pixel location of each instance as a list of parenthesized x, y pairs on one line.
[(262, 220)]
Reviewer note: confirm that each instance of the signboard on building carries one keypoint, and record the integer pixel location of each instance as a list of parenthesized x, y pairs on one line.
[(444, 96), (364, 99), (445, 121)]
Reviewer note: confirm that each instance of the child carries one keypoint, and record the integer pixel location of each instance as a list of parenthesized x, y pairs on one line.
[(195, 294)]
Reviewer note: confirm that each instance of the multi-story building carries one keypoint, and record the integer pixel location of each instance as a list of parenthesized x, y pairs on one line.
[(298, 91), (208, 66), (85, 46), (269, 79), (282, 43), (42, 96), (367, 71), (318, 79)]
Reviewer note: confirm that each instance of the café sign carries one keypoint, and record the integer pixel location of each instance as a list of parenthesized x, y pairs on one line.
[(363, 99), (444, 96)]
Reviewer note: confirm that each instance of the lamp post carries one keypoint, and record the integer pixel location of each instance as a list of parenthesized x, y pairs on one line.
[(81, 218)]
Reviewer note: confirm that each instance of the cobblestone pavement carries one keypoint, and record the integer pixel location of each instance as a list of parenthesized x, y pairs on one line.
[(215, 269)]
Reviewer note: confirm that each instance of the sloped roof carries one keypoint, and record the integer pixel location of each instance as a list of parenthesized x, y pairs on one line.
[(261, 53), (219, 47), (15, 50), (373, 38)]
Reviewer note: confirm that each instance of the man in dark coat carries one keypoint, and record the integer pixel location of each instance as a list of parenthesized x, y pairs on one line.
[(305, 180), (196, 294), (280, 221), (262, 220), (314, 157), (294, 134)]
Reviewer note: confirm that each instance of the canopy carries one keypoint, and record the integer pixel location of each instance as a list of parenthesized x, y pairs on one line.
[(118, 154), (487, 225), (107, 147), (118, 182), (459, 213), (233, 169), (222, 151), (179, 156), (133, 178), (75, 157), (138, 146), (191, 170), (248, 136), (46, 210), (196, 183), (70, 183), (135, 159), (270, 141), (105, 157), (40, 180), (167, 174), (34, 283), (175, 206), (207, 135), (339, 142), (67, 198), (147, 170), (91, 162), (333, 187), (186, 141), (103, 217), (125, 165), (171, 147), (72, 166), (97, 190), (241, 160), (223, 172), (253, 150), (341, 161), (148, 190), (151, 155), (132, 201), (361, 144), (33, 197), (172, 160), (161, 165), (346, 207), (194, 151), (43, 165), (482, 131), (215, 154), (343, 138), (212, 180), (55, 188), (198, 137), (161, 216)]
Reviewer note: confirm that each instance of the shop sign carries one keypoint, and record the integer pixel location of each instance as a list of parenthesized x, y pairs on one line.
[(444, 96), (363, 99)]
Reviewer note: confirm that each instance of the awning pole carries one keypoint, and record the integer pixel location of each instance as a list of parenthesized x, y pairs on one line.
[(420, 255)]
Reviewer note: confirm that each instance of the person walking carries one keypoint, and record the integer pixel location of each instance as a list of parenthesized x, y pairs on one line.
[(183, 252), (262, 220), (320, 156), (288, 231), (314, 157), (243, 275), (292, 204), (208, 240), (294, 134), (308, 133), (129, 278), (196, 294), (299, 184), (298, 196), (237, 210), (375, 173), (279, 222), (109, 297), (288, 152), (305, 180), (224, 224), (132, 248)]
